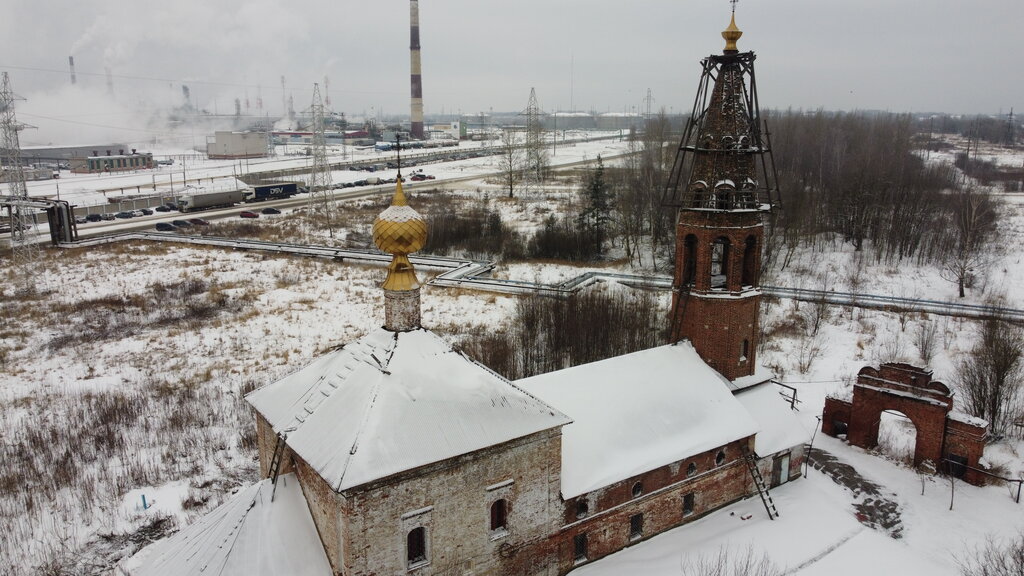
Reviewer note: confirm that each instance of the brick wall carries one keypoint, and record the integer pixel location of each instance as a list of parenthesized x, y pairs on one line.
[(327, 509), (607, 525), (452, 500), (718, 320), (266, 442)]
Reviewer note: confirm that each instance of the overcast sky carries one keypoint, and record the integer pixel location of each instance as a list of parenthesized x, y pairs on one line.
[(954, 56)]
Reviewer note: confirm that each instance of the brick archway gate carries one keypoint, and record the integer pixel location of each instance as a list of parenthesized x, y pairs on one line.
[(942, 433)]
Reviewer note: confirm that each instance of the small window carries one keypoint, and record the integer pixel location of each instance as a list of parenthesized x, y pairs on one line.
[(636, 526), (688, 504), (720, 458), (582, 509), (691, 470), (499, 515), (638, 489), (416, 546), (579, 546), (744, 349)]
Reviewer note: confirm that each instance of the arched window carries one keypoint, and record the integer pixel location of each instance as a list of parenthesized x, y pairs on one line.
[(416, 546), (638, 489), (689, 259), (749, 277), (720, 458), (719, 262), (699, 194), (691, 470), (499, 515), (582, 508)]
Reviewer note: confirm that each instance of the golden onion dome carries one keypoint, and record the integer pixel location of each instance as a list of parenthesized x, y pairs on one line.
[(399, 229), (731, 35)]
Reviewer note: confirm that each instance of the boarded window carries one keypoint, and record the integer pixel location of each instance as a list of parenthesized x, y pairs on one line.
[(416, 546), (579, 545), (636, 526)]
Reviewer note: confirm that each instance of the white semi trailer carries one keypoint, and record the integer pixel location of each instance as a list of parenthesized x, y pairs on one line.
[(206, 200)]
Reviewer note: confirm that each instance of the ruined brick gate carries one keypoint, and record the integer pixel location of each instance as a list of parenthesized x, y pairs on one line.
[(954, 442)]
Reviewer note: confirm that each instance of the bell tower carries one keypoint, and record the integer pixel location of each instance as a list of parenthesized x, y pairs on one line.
[(722, 183)]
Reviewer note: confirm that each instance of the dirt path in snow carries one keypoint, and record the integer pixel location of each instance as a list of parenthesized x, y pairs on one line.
[(875, 507)]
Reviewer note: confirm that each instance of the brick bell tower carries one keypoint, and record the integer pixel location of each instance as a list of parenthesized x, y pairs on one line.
[(723, 184)]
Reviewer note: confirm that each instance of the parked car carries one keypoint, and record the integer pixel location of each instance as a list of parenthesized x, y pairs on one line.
[(146, 212), (162, 208), (248, 214), (165, 227), (137, 213), (107, 216), (198, 222), (93, 218), (80, 220), (269, 210), (181, 223)]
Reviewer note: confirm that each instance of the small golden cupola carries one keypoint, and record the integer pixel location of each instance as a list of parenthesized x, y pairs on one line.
[(399, 230), (731, 35)]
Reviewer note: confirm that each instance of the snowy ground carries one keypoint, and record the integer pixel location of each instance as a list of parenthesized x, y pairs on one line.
[(177, 334)]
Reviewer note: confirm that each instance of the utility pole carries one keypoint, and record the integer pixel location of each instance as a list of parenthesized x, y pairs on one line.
[(320, 177), (24, 250)]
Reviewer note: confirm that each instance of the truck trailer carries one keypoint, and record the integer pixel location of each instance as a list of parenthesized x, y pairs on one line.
[(206, 200), (274, 191)]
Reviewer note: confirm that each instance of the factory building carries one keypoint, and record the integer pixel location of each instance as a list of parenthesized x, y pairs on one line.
[(119, 162), (224, 144)]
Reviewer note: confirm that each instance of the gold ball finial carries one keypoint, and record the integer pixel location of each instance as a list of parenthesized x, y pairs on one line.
[(399, 230), (732, 34)]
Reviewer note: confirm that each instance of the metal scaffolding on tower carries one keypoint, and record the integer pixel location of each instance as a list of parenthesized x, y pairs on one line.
[(24, 246), (320, 177)]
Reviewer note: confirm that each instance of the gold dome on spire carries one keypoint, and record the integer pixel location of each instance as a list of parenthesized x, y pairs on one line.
[(399, 230), (731, 35)]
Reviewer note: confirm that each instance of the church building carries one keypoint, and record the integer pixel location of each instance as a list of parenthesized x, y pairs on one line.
[(396, 454)]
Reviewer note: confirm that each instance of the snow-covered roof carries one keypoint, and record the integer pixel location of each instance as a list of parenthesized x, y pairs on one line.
[(395, 401), (778, 425), (247, 535), (760, 376), (636, 412)]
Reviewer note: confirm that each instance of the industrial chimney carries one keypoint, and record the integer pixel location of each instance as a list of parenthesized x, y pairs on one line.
[(71, 64), (417, 77)]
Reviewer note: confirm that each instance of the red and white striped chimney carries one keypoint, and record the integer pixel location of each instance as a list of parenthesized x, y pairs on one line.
[(416, 77)]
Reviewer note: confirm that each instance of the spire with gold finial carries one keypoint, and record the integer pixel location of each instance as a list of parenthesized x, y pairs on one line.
[(399, 230), (732, 33)]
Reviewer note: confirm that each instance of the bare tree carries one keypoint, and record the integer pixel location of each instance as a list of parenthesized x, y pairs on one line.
[(994, 558), (974, 220), (730, 562), (990, 376), (924, 340), (510, 160)]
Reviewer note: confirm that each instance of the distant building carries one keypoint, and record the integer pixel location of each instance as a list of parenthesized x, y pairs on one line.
[(119, 162), (226, 144), (446, 130)]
